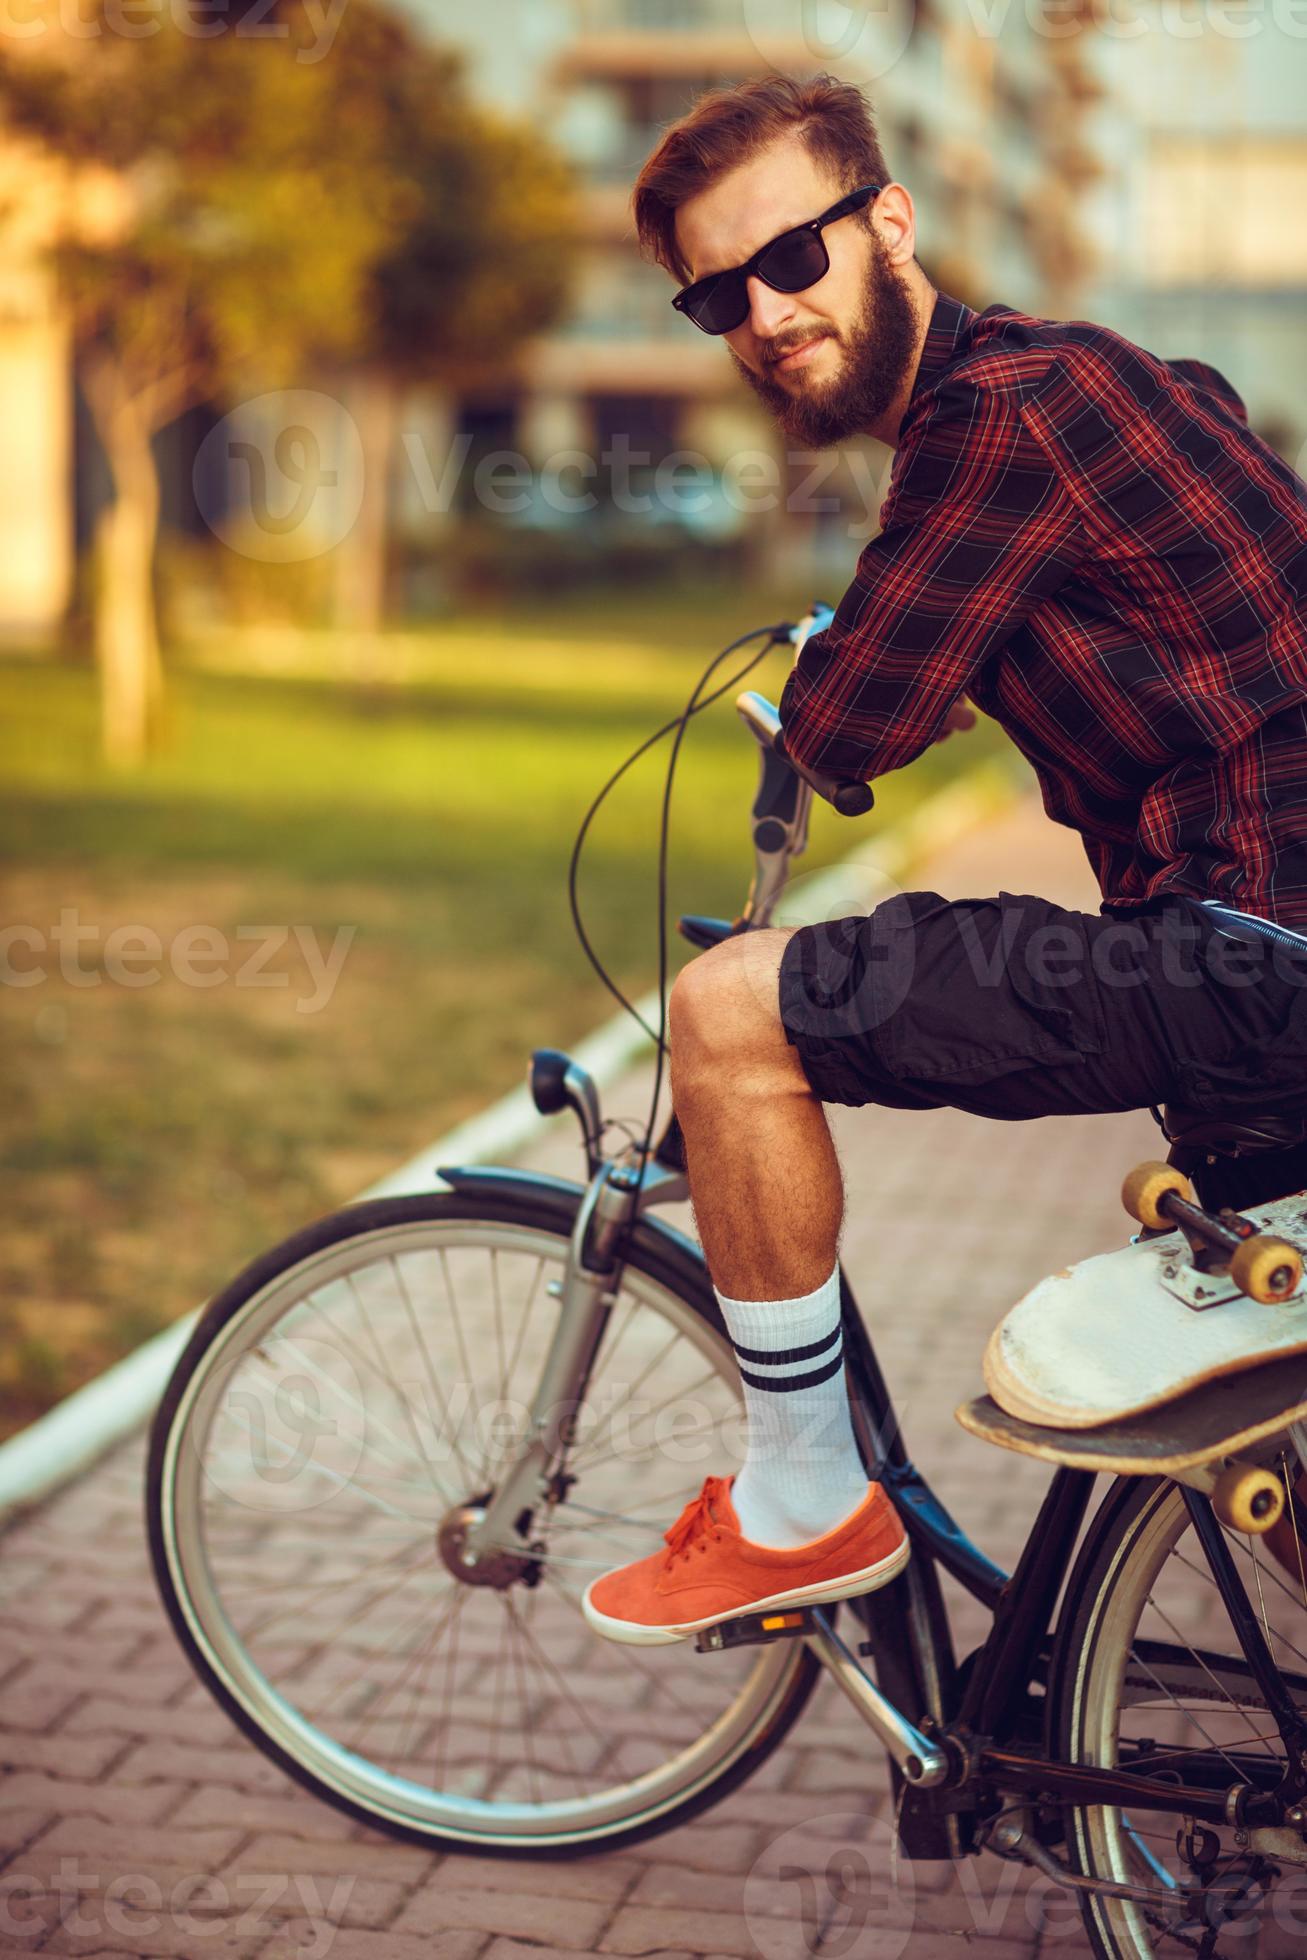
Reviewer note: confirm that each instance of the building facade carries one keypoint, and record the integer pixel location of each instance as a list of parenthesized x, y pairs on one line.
[(983, 120)]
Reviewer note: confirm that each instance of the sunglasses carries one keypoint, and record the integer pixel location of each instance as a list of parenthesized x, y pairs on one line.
[(790, 263)]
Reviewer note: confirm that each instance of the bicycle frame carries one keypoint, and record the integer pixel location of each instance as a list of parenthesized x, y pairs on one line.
[(962, 1736)]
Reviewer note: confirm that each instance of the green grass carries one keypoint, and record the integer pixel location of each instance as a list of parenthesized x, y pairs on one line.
[(154, 1138)]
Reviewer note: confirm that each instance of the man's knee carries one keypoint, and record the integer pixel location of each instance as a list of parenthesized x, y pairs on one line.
[(725, 1006)]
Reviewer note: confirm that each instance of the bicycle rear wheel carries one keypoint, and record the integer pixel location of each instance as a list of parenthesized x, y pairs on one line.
[(1149, 1672), (338, 1406)]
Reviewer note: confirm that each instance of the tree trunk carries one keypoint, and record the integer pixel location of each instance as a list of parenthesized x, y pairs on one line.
[(361, 559), (126, 632)]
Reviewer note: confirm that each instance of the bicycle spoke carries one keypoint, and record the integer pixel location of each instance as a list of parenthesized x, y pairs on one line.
[(527, 1726), (578, 1708), (466, 1365), (590, 1458), (454, 1432), (390, 1682), (631, 1654), (403, 1400)]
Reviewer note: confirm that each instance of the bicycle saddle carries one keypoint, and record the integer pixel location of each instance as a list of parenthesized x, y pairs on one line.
[(1226, 1136)]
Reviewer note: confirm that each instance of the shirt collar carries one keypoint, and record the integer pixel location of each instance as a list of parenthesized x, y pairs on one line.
[(951, 322)]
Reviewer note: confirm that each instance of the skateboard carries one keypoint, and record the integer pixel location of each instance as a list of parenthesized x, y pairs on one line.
[(1187, 1435), (1217, 1420), (1203, 1297)]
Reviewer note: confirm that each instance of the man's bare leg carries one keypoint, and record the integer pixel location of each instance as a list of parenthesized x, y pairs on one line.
[(768, 1198), (764, 1177)]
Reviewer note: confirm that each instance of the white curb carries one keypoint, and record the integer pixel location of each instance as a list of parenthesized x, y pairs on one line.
[(80, 1429)]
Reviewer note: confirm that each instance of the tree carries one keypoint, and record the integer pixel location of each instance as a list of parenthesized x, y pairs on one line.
[(250, 221), (484, 261)]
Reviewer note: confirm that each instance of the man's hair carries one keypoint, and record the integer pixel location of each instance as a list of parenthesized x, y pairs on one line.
[(728, 126)]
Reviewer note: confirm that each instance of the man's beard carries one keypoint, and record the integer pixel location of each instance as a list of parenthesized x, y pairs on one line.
[(879, 348)]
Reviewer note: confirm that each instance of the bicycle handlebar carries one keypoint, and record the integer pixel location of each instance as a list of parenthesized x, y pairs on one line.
[(850, 797)]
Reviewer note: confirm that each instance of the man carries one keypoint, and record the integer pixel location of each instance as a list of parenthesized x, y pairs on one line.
[(1088, 541)]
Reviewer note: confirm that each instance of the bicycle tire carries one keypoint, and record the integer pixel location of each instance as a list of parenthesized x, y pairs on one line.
[(665, 1264), (1099, 1659)]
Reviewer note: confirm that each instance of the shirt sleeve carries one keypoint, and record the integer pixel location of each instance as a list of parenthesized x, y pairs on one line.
[(1201, 375), (977, 530)]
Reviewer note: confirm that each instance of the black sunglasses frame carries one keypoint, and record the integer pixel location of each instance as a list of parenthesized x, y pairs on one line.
[(685, 300)]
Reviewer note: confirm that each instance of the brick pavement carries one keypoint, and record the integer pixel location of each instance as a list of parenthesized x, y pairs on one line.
[(124, 1785)]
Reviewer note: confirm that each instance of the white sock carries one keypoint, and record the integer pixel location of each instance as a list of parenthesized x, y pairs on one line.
[(802, 1475)]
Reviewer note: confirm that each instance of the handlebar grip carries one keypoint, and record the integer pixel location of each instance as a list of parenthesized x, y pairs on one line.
[(846, 794)]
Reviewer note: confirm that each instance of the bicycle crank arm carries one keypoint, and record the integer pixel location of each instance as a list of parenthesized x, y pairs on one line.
[(923, 1763)]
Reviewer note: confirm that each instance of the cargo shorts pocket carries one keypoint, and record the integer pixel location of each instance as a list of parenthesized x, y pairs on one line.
[(978, 988), (1262, 1075)]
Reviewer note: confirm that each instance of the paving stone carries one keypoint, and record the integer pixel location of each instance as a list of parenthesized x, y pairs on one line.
[(240, 1767), (402, 1864), (18, 1828), (33, 1703), (307, 1940), (116, 1765), (28, 1912), (648, 1929), (298, 1814), (608, 1876), (148, 1803), (555, 1921), (79, 1757)]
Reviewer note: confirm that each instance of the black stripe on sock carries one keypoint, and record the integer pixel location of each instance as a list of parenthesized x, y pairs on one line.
[(780, 1356), (783, 1384)]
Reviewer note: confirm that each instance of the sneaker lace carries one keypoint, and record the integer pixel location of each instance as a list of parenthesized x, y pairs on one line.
[(697, 1520)]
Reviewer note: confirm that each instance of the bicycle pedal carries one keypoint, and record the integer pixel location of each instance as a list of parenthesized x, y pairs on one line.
[(754, 1630)]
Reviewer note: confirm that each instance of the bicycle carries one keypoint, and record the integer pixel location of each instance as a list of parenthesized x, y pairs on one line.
[(398, 1445)]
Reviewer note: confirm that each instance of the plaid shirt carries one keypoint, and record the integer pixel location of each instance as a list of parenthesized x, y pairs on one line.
[(1090, 543)]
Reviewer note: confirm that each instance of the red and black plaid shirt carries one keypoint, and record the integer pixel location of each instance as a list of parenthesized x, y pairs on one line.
[(1090, 542)]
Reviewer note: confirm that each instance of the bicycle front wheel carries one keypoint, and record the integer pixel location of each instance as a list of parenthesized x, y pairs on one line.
[(337, 1411), (1150, 1675)]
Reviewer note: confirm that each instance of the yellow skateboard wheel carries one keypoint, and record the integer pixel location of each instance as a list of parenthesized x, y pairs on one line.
[(1145, 1184), (1247, 1499), (1266, 1269)]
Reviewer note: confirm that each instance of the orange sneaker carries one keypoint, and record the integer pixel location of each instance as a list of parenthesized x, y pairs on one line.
[(711, 1572)]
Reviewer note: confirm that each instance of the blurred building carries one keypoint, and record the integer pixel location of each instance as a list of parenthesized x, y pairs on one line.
[(36, 525), (1200, 218), (641, 440), (985, 129)]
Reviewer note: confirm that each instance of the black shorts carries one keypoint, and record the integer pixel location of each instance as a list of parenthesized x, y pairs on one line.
[(1013, 1007)]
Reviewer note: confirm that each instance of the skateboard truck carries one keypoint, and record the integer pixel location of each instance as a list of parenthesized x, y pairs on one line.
[(755, 1630), (1229, 1255)]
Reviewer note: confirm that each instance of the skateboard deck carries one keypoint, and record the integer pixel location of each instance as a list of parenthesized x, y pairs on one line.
[(1107, 1339), (1216, 1420)]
